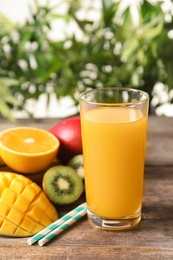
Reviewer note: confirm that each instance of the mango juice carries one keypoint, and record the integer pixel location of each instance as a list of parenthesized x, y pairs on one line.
[(114, 141)]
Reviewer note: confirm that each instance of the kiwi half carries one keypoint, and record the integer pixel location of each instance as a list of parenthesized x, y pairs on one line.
[(62, 185), (77, 164)]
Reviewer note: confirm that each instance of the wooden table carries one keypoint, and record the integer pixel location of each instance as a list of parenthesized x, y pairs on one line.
[(151, 239)]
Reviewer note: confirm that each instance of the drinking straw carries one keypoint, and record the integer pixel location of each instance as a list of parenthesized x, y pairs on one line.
[(62, 227), (81, 208)]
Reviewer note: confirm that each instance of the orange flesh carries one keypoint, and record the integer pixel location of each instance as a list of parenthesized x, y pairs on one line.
[(29, 141)]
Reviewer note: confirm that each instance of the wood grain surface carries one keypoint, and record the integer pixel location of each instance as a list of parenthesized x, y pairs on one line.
[(151, 239)]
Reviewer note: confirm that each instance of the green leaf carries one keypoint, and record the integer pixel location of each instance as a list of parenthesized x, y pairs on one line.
[(129, 47), (7, 81), (5, 110), (153, 28), (106, 4), (6, 25)]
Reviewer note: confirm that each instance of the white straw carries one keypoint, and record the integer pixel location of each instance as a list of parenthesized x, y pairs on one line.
[(62, 227), (56, 224)]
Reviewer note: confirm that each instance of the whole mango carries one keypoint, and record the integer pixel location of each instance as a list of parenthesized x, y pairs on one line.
[(68, 132)]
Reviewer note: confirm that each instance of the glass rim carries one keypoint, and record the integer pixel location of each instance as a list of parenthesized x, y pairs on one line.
[(145, 96)]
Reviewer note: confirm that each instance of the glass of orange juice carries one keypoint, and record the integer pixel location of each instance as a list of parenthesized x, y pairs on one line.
[(114, 126)]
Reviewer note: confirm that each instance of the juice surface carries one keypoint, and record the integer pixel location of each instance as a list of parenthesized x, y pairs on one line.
[(114, 152)]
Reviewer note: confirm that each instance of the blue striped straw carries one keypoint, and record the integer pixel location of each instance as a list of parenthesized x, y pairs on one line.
[(62, 227), (81, 209)]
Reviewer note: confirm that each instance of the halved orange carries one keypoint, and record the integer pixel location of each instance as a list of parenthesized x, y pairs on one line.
[(27, 149), (1, 161)]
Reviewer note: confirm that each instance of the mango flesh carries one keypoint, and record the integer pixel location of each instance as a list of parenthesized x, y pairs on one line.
[(24, 208)]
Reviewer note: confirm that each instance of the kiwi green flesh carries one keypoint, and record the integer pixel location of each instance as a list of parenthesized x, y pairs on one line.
[(62, 185)]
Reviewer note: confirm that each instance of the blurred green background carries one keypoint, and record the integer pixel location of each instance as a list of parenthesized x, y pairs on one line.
[(114, 43)]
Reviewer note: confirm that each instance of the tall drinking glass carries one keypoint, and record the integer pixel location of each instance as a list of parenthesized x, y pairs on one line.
[(114, 123)]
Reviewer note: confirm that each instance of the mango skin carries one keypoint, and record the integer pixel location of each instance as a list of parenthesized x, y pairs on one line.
[(24, 208), (68, 132)]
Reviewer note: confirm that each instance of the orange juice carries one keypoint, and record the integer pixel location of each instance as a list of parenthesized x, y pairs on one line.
[(114, 150)]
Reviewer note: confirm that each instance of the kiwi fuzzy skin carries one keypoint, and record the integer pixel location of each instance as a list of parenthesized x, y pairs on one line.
[(60, 195), (77, 163)]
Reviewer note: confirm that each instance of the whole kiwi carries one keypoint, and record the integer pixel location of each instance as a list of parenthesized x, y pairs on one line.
[(77, 163), (62, 185)]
